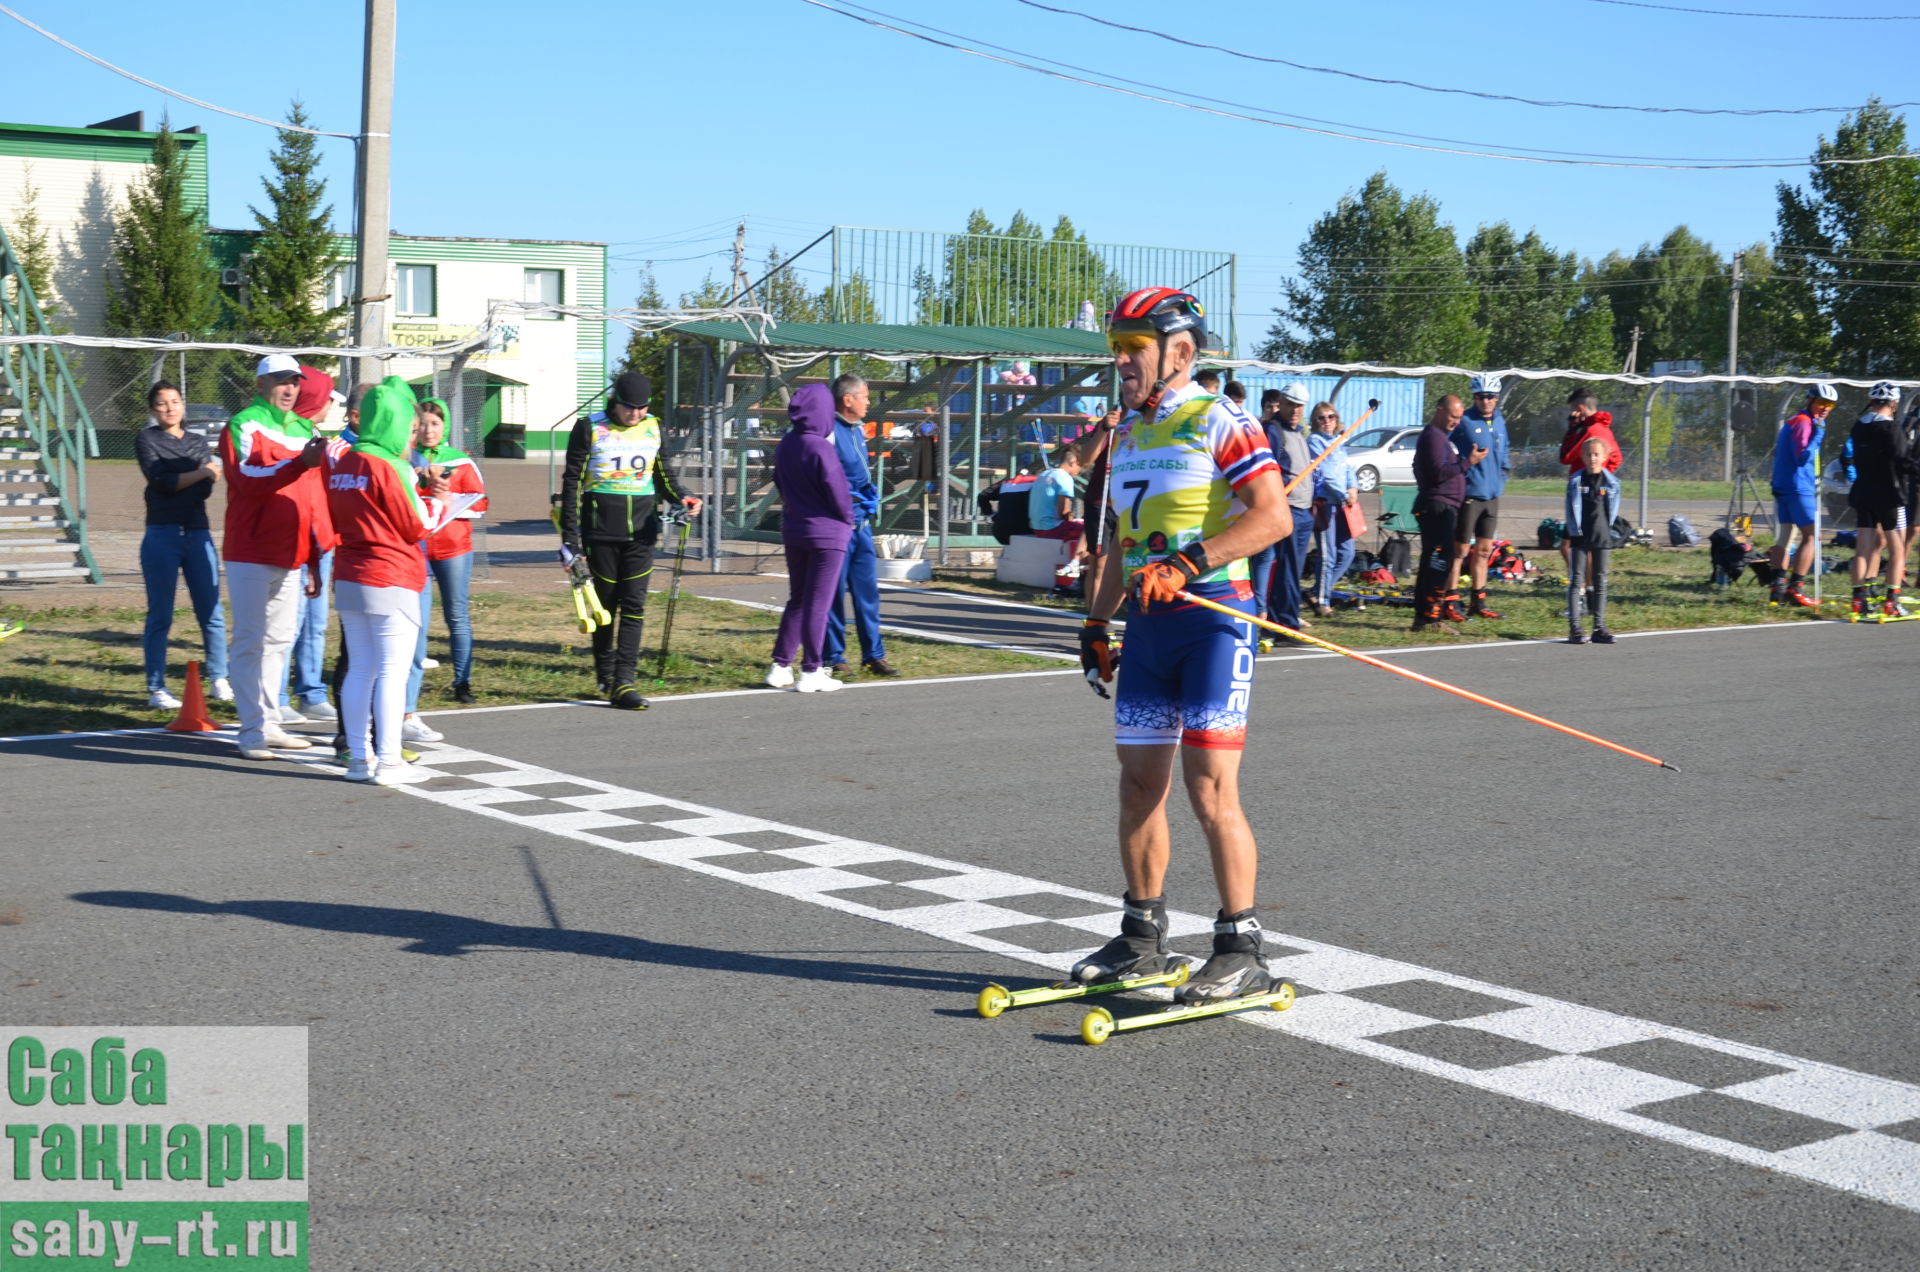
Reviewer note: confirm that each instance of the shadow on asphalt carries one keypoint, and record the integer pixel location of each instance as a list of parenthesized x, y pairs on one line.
[(453, 935), (164, 748)]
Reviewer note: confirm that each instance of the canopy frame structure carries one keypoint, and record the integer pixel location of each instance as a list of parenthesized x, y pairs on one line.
[(725, 378)]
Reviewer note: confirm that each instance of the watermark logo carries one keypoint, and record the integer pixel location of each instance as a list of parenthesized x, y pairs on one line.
[(153, 1148)]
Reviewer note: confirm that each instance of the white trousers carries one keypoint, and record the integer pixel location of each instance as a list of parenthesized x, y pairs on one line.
[(379, 661), (266, 613)]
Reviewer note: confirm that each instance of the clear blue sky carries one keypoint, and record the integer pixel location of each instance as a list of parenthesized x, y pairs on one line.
[(653, 126)]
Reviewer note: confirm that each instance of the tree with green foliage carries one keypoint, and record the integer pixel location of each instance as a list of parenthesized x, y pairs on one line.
[(163, 277), (1381, 279), (1533, 303), (647, 350), (294, 251), (1020, 276), (1852, 240), (33, 248), (1675, 293)]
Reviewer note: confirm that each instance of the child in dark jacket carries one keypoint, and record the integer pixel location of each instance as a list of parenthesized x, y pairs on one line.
[(1593, 501)]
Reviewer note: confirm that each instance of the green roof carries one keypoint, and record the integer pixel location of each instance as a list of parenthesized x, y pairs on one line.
[(1040, 344)]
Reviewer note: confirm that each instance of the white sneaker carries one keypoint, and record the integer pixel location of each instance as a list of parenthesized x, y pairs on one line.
[(429, 663), (290, 715), (817, 682), (281, 740), (257, 753), (321, 710), (400, 775), (779, 677), (161, 700), (414, 729), (222, 689), (359, 770)]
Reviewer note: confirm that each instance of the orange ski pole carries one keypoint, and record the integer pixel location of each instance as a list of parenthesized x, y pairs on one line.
[(1373, 404), (1425, 680)]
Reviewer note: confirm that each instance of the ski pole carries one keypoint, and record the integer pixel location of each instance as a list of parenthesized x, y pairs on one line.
[(1373, 404), (1425, 680), (673, 595)]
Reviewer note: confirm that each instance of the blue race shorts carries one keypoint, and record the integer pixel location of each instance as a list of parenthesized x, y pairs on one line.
[(1186, 676), (1794, 510)]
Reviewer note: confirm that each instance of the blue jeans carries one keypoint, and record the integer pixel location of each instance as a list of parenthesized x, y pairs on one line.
[(1336, 556), (1260, 574), (1289, 563), (453, 575), (167, 552), (861, 577), (307, 663)]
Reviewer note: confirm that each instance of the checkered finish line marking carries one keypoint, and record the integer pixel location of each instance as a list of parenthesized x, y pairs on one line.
[(1814, 1121)]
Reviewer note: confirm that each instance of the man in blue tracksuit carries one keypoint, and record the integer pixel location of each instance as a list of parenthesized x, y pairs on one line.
[(1481, 426), (860, 575)]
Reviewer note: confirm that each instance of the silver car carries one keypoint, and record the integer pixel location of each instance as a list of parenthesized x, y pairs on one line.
[(1382, 457)]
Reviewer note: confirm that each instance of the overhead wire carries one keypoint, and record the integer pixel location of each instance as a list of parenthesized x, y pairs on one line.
[(1460, 149), (1264, 110), (1443, 88), (174, 93), (1805, 17)]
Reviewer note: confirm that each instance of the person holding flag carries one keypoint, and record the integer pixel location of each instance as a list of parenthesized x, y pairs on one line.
[(1194, 492)]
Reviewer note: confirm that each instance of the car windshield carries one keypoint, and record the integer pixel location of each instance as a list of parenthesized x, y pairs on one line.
[(1372, 439)]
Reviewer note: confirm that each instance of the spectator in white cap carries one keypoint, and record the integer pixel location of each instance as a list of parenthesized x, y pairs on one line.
[(1283, 411), (276, 522)]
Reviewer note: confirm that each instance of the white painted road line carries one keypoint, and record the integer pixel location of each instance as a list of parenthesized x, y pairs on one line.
[(1803, 1118)]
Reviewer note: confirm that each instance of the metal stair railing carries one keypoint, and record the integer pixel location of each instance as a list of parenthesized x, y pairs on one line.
[(38, 378)]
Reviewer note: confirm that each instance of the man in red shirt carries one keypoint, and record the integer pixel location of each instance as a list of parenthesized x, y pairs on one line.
[(276, 522)]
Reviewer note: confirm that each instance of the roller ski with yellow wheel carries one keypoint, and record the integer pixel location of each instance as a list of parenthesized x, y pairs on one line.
[(1101, 1024), (11, 629), (996, 998), (587, 609)]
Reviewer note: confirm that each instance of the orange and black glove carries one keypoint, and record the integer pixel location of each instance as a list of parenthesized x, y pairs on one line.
[(1096, 655), (1164, 580)]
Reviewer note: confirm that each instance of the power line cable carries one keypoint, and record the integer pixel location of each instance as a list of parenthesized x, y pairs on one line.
[(1441, 88), (1547, 157), (1807, 17), (162, 88)]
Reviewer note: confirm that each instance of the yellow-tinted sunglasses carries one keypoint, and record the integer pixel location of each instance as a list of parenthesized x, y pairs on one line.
[(1131, 341)]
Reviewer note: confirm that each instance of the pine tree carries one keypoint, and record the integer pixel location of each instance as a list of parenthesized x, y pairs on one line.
[(647, 351), (33, 248), (294, 252), (163, 277)]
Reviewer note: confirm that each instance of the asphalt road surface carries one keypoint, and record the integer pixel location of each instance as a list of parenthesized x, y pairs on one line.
[(694, 988)]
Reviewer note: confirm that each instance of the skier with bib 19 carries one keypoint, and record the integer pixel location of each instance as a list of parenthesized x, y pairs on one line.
[(1194, 491), (610, 494)]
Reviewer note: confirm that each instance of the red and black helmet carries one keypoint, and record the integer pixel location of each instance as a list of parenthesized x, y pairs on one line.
[(1160, 310)]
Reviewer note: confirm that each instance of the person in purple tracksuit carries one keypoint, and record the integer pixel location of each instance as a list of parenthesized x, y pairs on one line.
[(816, 520)]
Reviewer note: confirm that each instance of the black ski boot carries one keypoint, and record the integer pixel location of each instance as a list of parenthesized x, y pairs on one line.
[(1236, 967), (1139, 950)]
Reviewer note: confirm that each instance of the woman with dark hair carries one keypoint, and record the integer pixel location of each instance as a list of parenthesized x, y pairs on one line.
[(181, 470), (450, 548)]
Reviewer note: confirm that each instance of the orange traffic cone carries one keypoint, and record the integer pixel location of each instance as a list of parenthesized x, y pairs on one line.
[(193, 708)]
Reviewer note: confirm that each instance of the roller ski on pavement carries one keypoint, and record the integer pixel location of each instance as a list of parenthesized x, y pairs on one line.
[(1138, 958), (1235, 978)]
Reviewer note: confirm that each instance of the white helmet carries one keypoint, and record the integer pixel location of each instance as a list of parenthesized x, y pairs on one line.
[(1885, 391), (1486, 382), (1297, 393), (1824, 391)]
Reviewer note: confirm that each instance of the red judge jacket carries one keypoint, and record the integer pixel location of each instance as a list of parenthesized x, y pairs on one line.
[(381, 521), (455, 538), (276, 509)]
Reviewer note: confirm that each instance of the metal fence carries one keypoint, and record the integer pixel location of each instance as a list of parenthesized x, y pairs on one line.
[(924, 277)]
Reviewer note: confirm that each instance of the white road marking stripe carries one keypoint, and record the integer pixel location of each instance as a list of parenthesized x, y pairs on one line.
[(1853, 1156)]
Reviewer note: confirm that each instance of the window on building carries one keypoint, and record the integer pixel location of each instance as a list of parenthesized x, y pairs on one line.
[(341, 281), (544, 288), (413, 291)]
